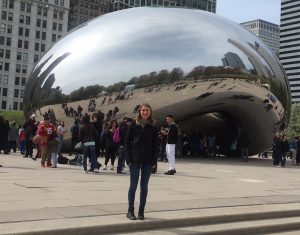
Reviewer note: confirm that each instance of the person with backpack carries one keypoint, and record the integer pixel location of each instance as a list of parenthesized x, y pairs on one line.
[(141, 146), (111, 146), (120, 139)]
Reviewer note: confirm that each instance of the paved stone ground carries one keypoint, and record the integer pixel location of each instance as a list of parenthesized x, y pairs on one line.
[(31, 193)]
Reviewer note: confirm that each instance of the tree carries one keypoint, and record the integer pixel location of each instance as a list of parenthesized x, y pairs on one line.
[(176, 74), (196, 72), (163, 76), (294, 126)]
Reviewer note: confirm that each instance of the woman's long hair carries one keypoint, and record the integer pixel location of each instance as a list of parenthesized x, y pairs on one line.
[(111, 122), (150, 120)]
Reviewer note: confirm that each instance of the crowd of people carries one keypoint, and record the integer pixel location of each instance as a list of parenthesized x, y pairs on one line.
[(138, 142), (284, 148)]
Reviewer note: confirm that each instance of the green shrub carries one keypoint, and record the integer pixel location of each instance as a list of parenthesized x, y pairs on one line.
[(17, 116)]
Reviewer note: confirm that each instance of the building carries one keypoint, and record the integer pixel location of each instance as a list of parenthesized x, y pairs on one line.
[(206, 5), (233, 60), (84, 10), (27, 30), (266, 31), (290, 44)]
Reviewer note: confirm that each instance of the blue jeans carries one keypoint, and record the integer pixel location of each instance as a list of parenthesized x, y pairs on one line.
[(60, 143), (89, 151), (121, 158), (22, 146), (135, 169)]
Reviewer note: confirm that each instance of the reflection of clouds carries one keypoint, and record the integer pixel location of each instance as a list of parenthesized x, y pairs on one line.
[(110, 49)]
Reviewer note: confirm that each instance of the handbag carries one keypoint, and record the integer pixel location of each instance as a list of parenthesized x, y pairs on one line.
[(79, 146), (36, 139)]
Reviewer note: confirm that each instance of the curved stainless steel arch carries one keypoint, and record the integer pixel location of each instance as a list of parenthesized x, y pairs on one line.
[(208, 71)]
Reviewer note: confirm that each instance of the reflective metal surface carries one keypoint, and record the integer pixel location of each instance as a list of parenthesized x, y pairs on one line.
[(209, 72)]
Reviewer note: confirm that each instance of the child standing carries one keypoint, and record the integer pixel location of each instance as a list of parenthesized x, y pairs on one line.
[(21, 138)]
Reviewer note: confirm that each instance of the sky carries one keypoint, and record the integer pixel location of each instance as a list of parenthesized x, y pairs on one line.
[(247, 10)]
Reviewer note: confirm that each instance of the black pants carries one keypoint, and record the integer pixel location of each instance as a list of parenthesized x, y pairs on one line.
[(277, 157), (12, 145), (298, 157), (97, 148), (74, 141), (121, 158), (110, 154), (28, 147)]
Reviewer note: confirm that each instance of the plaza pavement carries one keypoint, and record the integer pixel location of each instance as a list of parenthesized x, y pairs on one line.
[(35, 200)]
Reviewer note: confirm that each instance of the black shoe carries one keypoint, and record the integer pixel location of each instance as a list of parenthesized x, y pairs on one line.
[(25, 156), (170, 172), (174, 171), (91, 170), (121, 172), (130, 215), (141, 214), (33, 158)]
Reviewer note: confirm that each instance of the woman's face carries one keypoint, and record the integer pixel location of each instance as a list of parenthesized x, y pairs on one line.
[(114, 124), (145, 112)]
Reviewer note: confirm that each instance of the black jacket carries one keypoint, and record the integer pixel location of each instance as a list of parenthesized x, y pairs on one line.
[(122, 132), (172, 134), (141, 144), (87, 133)]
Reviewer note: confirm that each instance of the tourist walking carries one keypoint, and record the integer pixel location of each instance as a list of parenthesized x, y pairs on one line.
[(30, 129), (172, 135), (111, 146), (294, 149), (4, 128), (87, 135), (277, 150), (244, 143), (141, 156), (122, 134), (12, 136), (60, 132), (285, 149)]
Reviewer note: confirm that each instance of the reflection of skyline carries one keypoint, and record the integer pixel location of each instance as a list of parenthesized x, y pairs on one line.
[(111, 53), (233, 60), (260, 67), (119, 52), (49, 82)]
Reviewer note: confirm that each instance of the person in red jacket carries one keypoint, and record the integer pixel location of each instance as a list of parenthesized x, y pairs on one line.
[(47, 132)]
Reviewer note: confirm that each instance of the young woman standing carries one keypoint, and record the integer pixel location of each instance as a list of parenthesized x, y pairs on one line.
[(60, 132), (141, 146), (111, 146)]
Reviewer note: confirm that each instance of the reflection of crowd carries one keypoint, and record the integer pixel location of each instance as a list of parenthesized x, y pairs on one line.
[(71, 112)]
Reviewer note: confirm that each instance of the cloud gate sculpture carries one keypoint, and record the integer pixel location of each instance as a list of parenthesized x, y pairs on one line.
[(209, 72)]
